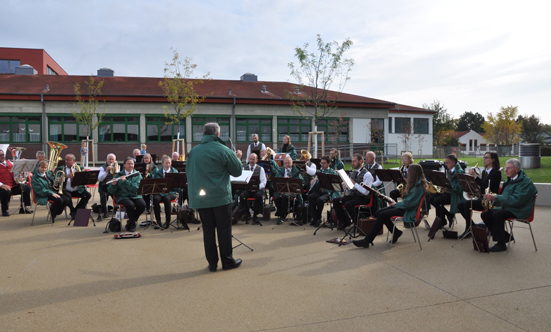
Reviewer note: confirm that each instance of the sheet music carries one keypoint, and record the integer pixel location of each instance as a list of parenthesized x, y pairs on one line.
[(243, 179), (345, 178)]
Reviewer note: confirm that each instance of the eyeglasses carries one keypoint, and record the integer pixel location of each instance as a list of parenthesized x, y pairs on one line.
[(509, 168), (486, 158)]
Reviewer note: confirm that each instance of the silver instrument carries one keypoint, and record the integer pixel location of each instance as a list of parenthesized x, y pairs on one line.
[(127, 176)]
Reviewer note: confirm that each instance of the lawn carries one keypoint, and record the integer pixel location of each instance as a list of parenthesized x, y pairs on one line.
[(537, 175)]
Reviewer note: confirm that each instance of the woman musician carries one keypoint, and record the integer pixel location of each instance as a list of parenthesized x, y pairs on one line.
[(165, 198), (416, 187), (42, 183), (287, 147), (125, 190), (491, 174), (407, 159), (452, 196), (150, 169)]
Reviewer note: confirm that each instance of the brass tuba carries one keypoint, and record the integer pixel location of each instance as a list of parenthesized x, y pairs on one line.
[(17, 152), (269, 153), (59, 176), (305, 155)]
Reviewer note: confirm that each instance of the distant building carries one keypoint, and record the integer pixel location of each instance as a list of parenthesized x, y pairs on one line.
[(40, 60), (473, 143)]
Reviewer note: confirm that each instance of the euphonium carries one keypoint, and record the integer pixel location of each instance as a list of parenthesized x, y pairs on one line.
[(59, 176), (17, 152), (114, 168), (305, 155), (488, 205), (401, 188), (269, 154)]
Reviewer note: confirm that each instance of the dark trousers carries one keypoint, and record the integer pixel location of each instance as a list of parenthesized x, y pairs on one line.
[(103, 196), (58, 205), (438, 201), (281, 202), (495, 222), (147, 200), (465, 209), (383, 218), (316, 201), (217, 221), (258, 201), (84, 198), (134, 208), (5, 196), (167, 200), (349, 203)]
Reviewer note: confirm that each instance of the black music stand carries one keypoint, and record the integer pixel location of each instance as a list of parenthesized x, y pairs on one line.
[(252, 184), (330, 182), (317, 162), (438, 179), (179, 165), (179, 180), (390, 175), (301, 165), (289, 186), (83, 179), (469, 185), (140, 167), (152, 187), (267, 168)]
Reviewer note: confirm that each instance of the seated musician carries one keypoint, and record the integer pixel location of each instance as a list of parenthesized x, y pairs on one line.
[(416, 187), (9, 187), (356, 195), (287, 147), (275, 168), (515, 201), (165, 198), (125, 191), (42, 182), (40, 155), (407, 159), (318, 196), (257, 194), (310, 169), (281, 199), (150, 169), (136, 153), (371, 165), (255, 146), (175, 156), (452, 196), (71, 191), (106, 172), (336, 163), (491, 175)]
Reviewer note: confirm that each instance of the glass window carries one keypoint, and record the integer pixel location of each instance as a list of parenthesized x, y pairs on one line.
[(159, 131), (119, 129), (377, 130), (297, 129), (20, 129), (335, 129), (421, 125), (247, 127), (8, 66), (403, 125), (199, 123), (389, 125)]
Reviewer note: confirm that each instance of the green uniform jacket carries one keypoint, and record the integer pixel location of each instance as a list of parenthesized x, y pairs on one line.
[(41, 187), (159, 175), (411, 201), (208, 169), (125, 189), (336, 164), (332, 194), (457, 191), (518, 196), (291, 151), (275, 166), (155, 169), (81, 189), (295, 173)]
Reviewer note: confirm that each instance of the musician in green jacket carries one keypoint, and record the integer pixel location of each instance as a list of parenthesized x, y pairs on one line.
[(318, 196), (69, 190), (125, 190), (282, 199), (452, 196), (41, 183), (416, 187), (336, 163), (165, 198)]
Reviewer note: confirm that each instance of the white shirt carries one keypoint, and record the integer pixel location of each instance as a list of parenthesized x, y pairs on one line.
[(165, 171), (368, 181), (261, 147), (488, 170), (102, 174), (311, 170), (263, 179), (377, 181), (68, 186)]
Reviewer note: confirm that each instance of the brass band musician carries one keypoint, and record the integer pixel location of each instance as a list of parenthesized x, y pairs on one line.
[(255, 146), (317, 196), (165, 198), (71, 191), (257, 194), (150, 169), (106, 172), (42, 182), (9, 187), (287, 147), (281, 199), (452, 196), (336, 163), (491, 174), (407, 159), (371, 165), (125, 191), (40, 155)]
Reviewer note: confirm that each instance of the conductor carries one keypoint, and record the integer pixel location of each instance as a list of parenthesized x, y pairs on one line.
[(209, 167)]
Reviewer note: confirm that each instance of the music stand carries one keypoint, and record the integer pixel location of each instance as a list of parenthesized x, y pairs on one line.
[(469, 185), (82, 179), (438, 178), (301, 165), (152, 187), (140, 167), (25, 166), (390, 175), (317, 162), (267, 168), (245, 182), (179, 165), (329, 182), (179, 180), (289, 186)]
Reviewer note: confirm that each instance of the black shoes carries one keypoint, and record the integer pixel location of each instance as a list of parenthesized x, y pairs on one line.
[(396, 235), (99, 218), (130, 226), (498, 247), (362, 243), (279, 221), (317, 223), (236, 263), (213, 267), (24, 211), (344, 225), (5, 214)]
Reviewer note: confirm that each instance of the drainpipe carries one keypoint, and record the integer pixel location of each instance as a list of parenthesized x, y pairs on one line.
[(233, 122), (44, 135)]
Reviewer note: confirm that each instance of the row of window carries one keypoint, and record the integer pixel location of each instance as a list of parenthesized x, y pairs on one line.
[(8, 66), (27, 129), (403, 125)]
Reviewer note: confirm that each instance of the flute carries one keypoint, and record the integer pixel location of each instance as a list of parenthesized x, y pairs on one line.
[(116, 179)]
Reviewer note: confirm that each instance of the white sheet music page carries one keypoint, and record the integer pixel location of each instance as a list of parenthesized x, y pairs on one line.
[(243, 179), (345, 178)]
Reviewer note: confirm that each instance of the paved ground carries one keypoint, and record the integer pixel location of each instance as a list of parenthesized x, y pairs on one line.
[(59, 278)]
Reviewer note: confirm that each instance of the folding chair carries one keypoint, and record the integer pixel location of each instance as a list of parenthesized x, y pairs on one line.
[(413, 228), (527, 221)]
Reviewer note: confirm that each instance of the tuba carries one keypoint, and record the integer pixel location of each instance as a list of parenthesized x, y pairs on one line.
[(305, 155), (269, 153), (17, 152), (59, 176)]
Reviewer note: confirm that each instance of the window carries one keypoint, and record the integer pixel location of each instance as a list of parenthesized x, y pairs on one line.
[(297, 129), (20, 129), (65, 129), (8, 66), (330, 127), (390, 125), (247, 127), (420, 126), (377, 130), (403, 125), (199, 123), (119, 129), (159, 131), (50, 71)]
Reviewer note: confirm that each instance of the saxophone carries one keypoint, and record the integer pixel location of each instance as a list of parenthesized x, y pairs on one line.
[(488, 205)]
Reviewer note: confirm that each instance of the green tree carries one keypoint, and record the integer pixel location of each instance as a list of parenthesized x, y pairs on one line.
[(179, 89), (470, 121), (532, 130), (316, 72), (442, 121), (88, 106), (502, 129)]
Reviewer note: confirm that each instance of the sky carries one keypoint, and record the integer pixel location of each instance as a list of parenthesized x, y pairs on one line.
[(471, 56)]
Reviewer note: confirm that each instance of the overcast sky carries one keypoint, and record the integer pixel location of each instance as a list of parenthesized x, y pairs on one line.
[(470, 55)]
